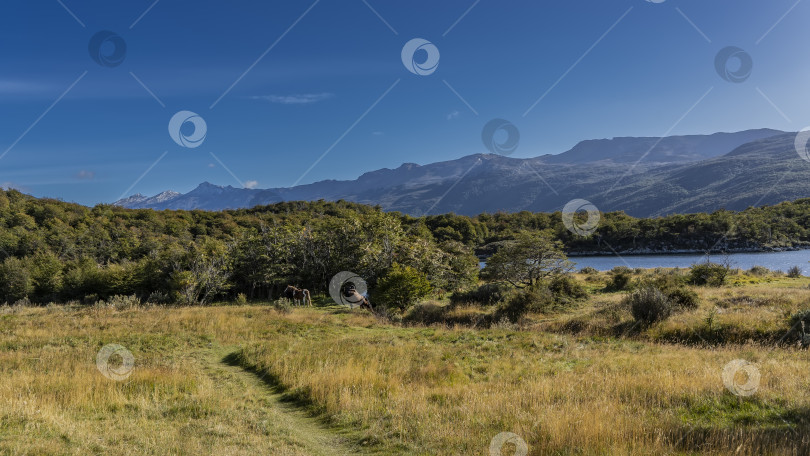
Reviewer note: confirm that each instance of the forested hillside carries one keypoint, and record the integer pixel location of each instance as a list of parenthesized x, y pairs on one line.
[(56, 251)]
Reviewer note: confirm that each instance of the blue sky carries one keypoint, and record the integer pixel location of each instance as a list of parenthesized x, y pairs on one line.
[(607, 68)]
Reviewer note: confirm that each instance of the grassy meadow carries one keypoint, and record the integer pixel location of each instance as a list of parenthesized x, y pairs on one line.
[(263, 379)]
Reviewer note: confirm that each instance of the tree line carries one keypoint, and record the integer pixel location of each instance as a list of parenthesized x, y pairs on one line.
[(56, 251), (785, 225)]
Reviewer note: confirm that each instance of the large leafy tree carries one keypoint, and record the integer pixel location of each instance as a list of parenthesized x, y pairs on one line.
[(262, 261), (203, 272), (401, 287), (531, 257)]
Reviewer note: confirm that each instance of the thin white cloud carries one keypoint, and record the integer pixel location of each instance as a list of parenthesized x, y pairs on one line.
[(251, 184), (294, 99), (85, 174), (453, 115), (13, 87)]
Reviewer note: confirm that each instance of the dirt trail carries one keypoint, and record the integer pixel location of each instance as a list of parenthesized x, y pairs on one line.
[(299, 433)]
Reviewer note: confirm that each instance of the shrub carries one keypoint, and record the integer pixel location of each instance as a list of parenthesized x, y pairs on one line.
[(794, 272), (675, 289), (620, 280), (159, 297), (649, 305), (588, 270), (282, 306), (426, 313), (566, 286), (800, 316), (241, 299), (119, 302), (487, 294), (683, 298), (402, 286), (534, 299), (621, 269), (759, 271), (711, 274)]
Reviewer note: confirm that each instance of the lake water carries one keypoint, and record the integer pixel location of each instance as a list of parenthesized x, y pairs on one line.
[(780, 261)]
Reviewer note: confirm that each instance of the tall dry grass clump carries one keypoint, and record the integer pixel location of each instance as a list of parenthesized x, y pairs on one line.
[(451, 391)]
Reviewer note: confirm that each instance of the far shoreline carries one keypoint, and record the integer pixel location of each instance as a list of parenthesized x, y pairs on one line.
[(687, 252), (653, 253)]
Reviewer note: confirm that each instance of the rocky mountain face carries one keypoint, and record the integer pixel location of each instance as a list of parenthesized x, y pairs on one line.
[(641, 176)]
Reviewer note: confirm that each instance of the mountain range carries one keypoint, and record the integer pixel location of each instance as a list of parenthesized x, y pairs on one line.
[(642, 176)]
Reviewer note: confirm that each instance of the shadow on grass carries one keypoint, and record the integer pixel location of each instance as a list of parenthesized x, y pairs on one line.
[(743, 440), (743, 426), (300, 400)]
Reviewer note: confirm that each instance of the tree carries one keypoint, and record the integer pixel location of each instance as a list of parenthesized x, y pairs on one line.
[(15, 279), (262, 260), (205, 275), (531, 257), (402, 287), (46, 275)]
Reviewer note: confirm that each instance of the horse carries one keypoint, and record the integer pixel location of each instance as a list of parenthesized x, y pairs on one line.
[(351, 296), (298, 295)]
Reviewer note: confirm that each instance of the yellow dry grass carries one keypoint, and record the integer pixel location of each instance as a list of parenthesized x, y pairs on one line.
[(564, 383)]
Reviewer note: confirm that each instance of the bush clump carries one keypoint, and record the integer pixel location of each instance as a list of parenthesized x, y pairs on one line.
[(426, 313), (674, 287), (683, 298), (794, 272), (120, 302), (565, 286), (486, 295), (710, 274), (402, 286), (759, 271), (649, 305), (620, 280), (588, 270), (159, 297), (532, 299), (282, 305)]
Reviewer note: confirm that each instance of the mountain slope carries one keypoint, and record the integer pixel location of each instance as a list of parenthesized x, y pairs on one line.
[(679, 174), (671, 149), (762, 172)]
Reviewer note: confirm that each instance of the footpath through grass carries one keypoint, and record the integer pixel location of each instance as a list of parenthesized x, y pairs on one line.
[(183, 395), (330, 381)]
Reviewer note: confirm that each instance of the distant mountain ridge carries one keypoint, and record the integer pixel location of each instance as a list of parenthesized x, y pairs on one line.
[(642, 176)]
